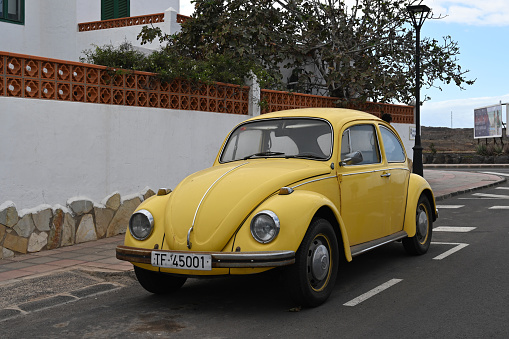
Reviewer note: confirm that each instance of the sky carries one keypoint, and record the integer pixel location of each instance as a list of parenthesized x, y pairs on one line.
[(481, 28)]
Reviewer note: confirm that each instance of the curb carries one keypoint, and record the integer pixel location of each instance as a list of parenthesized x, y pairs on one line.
[(453, 194), (466, 166)]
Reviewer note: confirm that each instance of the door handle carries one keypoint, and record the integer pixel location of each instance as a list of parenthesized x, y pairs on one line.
[(385, 175)]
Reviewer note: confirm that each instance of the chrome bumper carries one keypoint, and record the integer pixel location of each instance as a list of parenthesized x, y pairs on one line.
[(219, 259)]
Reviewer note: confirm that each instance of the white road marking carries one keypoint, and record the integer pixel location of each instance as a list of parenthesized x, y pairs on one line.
[(478, 198), (496, 173), (449, 206), (499, 208), (484, 195), (453, 229), (373, 292), (502, 188), (458, 247)]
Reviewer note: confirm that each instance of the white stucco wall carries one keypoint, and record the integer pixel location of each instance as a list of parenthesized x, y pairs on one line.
[(404, 133), (53, 150), (116, 36)]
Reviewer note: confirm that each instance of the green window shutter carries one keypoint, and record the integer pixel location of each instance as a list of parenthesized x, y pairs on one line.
[(113, 9), (107, 9), (123, 8)]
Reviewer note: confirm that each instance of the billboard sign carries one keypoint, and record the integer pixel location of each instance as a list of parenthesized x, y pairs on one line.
[(488, 122)]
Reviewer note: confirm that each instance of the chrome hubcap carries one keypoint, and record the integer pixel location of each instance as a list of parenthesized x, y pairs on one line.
[(320, 262)]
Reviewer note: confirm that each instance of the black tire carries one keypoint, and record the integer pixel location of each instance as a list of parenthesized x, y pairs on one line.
[(419, 244), (158, 283), (310, 285)]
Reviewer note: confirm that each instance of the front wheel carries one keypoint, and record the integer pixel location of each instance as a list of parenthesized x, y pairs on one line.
[(419, 243), (312, 278), (158, 283)]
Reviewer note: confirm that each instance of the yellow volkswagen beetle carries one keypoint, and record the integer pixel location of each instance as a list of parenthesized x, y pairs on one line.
[(297, 189)]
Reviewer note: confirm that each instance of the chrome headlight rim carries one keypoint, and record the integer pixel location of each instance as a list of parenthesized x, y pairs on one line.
[(150, 220), (276, 226)]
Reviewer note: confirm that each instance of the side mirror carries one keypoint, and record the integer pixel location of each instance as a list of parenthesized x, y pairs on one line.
[(352, 159)]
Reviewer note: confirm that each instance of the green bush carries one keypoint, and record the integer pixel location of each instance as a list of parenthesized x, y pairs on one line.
[(169, 65), (481, 149)]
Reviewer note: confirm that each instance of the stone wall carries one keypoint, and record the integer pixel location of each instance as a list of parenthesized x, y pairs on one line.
[(48, 227), (463, 158)]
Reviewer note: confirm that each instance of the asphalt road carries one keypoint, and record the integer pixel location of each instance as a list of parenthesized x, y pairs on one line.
[(459, 289)]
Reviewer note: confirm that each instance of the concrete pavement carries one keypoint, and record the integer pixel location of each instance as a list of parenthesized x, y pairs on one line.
[(100, 254)]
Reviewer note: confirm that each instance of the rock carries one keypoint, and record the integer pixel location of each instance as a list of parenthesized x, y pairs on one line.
[(42, 219), (503, 159), (3, 230), (37, 241), (121, 219), (103, 217), (8, 214), (7, 253), (55, 234), (81, 206), (147, 193), (16, 243), (25, 226), (113, 201), (86, 229), (68, 230)]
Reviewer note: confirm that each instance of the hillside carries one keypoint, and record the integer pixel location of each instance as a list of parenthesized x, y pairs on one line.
[(448, 139)]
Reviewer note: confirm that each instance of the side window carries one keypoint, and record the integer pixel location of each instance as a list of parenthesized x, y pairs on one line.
[(361, 138), (393, 149), (12, 11), (114, 9)]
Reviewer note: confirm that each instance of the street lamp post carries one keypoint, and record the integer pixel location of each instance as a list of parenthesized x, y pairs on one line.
[(418, 14)]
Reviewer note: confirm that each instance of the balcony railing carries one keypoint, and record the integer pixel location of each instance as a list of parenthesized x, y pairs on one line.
[(122, 22)]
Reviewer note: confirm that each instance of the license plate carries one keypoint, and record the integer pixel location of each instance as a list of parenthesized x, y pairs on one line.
[(184, 261)]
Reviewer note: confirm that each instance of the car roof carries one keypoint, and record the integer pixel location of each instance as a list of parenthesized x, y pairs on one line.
[(334, 115)]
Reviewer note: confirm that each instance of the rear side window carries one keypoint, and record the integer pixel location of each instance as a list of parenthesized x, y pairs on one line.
[(362, 138), (393, 149)]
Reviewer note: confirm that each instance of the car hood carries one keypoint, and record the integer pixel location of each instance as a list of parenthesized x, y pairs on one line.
[(217, 200)]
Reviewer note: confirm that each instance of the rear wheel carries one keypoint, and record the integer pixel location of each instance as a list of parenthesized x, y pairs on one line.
[(313, 276), (419, 243), (158, 283)]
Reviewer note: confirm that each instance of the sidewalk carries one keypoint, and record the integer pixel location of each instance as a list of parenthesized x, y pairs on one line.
[(100, 254)]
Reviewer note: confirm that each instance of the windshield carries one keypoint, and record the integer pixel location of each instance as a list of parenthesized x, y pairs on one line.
[(282, 138)]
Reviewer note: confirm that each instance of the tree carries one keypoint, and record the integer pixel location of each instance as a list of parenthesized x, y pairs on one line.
[(358, 52)]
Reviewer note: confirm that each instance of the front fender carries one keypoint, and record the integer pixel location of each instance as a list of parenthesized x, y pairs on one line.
[(156, 205), (295, 212), (417, 187)]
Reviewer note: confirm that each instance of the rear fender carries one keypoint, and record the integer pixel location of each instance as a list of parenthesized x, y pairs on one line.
[(417, 186)]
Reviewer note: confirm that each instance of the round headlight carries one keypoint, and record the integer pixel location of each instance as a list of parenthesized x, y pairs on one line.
[(141, 224), (265, 226)]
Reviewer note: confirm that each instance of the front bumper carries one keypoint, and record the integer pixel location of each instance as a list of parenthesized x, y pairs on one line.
[(219, 259)]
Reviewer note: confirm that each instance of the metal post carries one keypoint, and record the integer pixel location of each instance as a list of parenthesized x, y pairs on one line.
[(423, 12)]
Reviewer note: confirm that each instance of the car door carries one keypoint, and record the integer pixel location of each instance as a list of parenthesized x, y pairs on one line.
[(396, 178), (363, 185)]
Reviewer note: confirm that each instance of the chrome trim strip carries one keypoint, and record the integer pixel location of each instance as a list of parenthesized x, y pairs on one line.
[(377, 170), (314, 180), (199, 205), (367, 246)]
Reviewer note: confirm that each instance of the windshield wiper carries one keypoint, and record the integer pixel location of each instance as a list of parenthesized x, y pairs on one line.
[(263, 154), (306, 155)]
